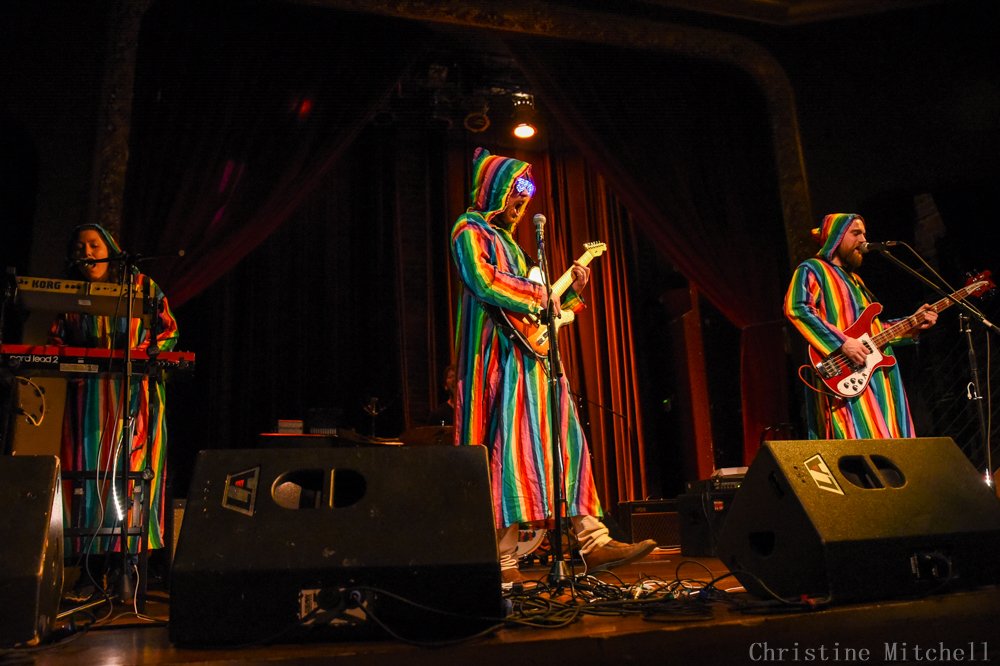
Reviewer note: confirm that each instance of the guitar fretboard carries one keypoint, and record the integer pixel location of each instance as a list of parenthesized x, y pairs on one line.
[(905, 325)]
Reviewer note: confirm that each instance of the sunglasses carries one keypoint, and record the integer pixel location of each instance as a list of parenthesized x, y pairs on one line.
[(524, 186)]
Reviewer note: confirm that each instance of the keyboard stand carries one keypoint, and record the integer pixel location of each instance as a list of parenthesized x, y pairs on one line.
[(139, 527)]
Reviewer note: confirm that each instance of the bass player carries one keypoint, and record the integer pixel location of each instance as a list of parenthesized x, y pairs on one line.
[(825, 297)]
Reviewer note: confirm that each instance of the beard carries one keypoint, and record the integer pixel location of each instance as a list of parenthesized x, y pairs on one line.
[(853, 260)]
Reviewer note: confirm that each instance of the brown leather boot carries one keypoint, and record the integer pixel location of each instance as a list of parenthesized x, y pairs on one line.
[(615, 554), (511, 577)]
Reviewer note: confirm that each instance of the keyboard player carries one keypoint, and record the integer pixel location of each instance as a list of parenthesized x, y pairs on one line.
[(92, 424)]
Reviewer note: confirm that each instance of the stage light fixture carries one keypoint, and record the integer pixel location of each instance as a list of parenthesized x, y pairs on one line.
[(525, 123)]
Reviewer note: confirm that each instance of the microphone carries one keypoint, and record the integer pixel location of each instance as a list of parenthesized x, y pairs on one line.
[(87, 261), (539, 221), (865, 248)]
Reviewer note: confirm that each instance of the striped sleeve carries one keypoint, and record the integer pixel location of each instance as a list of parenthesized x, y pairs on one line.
[(482, 272), (808, 299)]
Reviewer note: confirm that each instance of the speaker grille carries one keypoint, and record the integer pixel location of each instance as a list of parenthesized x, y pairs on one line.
[(656, 519)]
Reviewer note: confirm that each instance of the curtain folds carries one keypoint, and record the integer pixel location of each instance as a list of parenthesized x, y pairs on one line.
[(600, 355)]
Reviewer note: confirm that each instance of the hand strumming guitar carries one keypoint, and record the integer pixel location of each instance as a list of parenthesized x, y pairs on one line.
[(855, 351)]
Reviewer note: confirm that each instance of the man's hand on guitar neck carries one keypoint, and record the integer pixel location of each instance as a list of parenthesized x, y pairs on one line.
[(926, 316), (581, 275)]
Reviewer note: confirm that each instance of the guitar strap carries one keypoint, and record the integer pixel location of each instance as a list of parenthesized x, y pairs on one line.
[(496, 313)]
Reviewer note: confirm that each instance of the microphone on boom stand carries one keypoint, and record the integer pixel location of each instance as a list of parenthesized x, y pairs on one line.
[(558, 574)]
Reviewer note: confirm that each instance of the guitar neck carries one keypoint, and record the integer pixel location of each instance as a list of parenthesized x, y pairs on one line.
[(903, 326), (566, 279)]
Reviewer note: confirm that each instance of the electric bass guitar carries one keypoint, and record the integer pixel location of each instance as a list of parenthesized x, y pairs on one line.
[(848, 379), (529, 330)]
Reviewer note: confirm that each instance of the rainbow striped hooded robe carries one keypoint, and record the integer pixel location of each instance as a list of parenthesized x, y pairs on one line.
[(90, 423), (502, 392), (822, 300)]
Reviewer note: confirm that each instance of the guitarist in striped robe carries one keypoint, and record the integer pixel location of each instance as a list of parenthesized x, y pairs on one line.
[(502, 389), (824, 298)]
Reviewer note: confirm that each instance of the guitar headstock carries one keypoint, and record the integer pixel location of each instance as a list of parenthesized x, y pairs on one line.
[(595, 248), (981, 282)]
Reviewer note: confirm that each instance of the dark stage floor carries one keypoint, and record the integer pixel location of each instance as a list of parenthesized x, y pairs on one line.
[(656, 611)]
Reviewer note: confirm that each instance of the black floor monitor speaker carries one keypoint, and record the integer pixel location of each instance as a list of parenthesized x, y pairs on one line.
[(862, 520), (31, 548), (285, 545)]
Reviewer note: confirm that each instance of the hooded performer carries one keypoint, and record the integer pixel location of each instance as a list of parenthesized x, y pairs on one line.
[(91, 425), (502, 392), (825, 296)]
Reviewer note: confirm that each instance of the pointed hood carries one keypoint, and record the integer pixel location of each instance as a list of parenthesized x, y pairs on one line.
[(494, 178), (831, 232)]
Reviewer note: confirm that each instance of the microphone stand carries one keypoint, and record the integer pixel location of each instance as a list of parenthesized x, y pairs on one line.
[(977, 397), (128, 268), (972, 312), (969, 313), (558, 574)]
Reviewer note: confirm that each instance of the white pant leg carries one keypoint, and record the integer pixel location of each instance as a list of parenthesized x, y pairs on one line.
[(507, 545), (590, 532)]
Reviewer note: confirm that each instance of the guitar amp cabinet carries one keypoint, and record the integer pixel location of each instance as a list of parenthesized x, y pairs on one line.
[(701, 513), (651, 519)]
